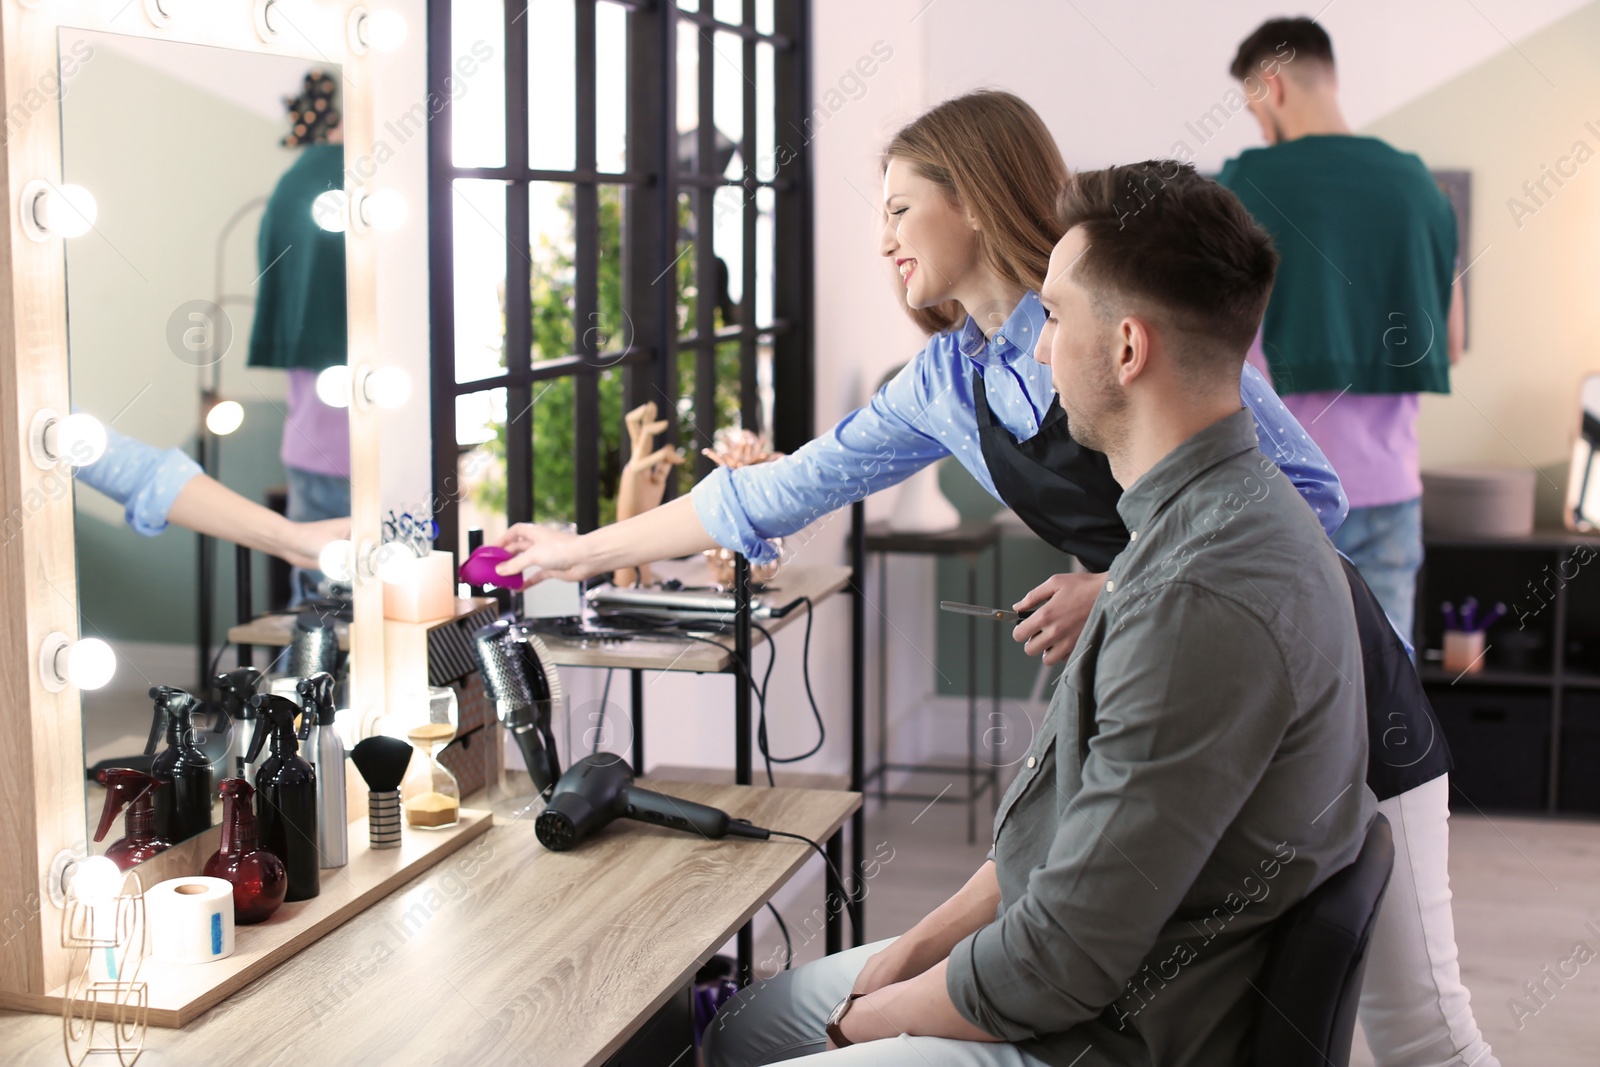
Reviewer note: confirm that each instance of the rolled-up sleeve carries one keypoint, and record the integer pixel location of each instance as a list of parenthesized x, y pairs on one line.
[(1132, 841), (144, 479), (1284, 440), (872, 448)]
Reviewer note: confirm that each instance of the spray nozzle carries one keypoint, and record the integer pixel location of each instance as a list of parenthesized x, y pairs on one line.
[(316, 697), (125, 787), (175, 710), (280, 711), (234, 690)]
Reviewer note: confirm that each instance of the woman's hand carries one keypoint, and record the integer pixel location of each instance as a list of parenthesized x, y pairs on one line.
[(1060, 606), (301, 543), (553, 553), (883, 968)]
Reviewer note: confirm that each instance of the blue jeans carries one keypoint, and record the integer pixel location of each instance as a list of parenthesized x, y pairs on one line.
[(311, 497), (1385, 544)]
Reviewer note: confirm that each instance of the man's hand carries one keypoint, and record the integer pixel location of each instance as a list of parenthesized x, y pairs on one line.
[(555, 553), (883, 968), (1060, 606)]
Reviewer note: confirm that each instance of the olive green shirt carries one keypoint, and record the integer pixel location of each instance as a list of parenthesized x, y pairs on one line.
[(1200, 769)]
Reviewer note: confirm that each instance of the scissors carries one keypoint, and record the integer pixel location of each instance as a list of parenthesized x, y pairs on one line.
[(416, 534)]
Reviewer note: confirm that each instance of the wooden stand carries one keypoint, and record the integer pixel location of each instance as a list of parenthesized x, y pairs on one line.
[(179, 994)]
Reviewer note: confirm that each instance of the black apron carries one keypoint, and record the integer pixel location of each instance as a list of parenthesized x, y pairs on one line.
[(1065, 493)]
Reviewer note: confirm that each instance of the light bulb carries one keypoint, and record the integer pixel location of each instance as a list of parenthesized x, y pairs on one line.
[(330, 210), (78, 438), (225, 417), (65, 210), (333, 386), (397, 564), (387, 387), (95, 880), (338, 560), (90, 663), (384, 210), (384, 30)]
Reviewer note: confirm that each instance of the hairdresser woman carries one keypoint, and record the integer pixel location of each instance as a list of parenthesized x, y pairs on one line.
[(969, 195)]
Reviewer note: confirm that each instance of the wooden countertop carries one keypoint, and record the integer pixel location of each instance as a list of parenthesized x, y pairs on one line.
[(505, 952)]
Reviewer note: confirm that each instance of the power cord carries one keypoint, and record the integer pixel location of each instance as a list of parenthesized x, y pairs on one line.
[(838, 878), (600, 727), (783, 927)]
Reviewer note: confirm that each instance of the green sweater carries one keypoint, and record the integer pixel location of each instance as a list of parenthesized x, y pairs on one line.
[(1368, 247), (300, 298)]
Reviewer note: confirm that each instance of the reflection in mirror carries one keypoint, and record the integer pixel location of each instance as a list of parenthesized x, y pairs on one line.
[(201, 306), (1583, 483)]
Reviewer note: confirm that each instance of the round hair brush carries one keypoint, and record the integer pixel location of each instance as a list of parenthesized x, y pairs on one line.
[(382, 762)]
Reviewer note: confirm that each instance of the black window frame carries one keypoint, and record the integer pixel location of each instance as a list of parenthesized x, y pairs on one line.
[(650, 243)]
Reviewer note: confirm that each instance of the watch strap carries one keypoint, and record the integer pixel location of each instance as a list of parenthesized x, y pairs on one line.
[(835, 1027)]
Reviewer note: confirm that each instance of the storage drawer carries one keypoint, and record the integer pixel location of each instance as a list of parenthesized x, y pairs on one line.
[(1500, 742), (1579, 788)]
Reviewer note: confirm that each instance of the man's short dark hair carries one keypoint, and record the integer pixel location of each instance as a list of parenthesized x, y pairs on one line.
[(1301, 38), (1159, 234)]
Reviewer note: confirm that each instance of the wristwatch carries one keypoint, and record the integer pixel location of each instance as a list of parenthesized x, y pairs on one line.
[(835, 1028)]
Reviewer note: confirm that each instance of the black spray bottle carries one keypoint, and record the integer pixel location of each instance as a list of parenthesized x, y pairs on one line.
[(183, 809), (232, 692), (286, 795)]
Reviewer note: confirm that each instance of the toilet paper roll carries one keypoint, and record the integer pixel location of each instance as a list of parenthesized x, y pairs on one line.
[(190, 919)]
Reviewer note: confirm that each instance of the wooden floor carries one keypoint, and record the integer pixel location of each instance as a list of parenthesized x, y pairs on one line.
[(1524, 890)]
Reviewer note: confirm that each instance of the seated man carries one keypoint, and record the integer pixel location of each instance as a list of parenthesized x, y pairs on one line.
[(1201, 766)]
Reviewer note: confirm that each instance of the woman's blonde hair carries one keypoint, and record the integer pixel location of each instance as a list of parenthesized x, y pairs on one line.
[(992, 155)]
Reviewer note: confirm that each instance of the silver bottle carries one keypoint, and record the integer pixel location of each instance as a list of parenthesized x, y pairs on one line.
[(324, 750)]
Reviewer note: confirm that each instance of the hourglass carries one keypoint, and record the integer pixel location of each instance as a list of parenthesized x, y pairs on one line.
[(429, 793)]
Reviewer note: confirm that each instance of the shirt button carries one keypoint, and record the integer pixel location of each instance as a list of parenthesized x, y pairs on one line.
[(999, 338), (1031, 762), (1133, 535), (1110, 585)]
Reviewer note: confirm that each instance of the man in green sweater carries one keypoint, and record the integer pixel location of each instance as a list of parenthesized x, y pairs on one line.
[(1365, 316)]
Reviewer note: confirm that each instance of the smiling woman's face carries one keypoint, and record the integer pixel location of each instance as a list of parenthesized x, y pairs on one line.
[(930, 238)]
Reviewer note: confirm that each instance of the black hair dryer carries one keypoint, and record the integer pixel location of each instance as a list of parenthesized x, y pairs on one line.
[(599, 789)]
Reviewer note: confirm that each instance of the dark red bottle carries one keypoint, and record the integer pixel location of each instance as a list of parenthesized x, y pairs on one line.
[(258, 877), (139, 841)]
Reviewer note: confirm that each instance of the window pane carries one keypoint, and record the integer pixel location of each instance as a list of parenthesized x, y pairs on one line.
[(689, 5), (552, 85), (611, 87), (614, 443), (683, 269), (479, 231), (727, 241), (478, 109), (481, 464), (728, 99), (765, 278), (552, 251), (729, 11), (688, 92), (766, 163), (764, 22), (613, 328), (554, 449), (727, 413), (764, 388)]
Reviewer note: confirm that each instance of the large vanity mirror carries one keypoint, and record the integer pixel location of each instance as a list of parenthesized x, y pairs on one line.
[(1582, 512), (200, 308)]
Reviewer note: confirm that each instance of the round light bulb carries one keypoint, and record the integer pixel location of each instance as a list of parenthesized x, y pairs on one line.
[(66, 210), (387, 387), (385, 30), (96, 880), (333, 386), (338, 560), (330, 210), (385, 209), (225, 417), (90, 663), (79, 439)]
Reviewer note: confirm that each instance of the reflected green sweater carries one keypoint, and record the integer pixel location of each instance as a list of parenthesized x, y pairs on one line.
[(300, 297)]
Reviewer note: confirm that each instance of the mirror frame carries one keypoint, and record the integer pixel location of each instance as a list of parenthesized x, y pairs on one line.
[(42, 804)]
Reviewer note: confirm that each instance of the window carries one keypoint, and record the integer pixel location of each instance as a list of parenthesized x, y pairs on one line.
[(616, 216)]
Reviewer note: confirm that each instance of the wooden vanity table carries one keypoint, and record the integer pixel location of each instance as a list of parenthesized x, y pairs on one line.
[(506, 953)]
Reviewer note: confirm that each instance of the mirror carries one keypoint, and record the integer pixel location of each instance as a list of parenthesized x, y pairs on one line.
[(179, 307), (1582, 512)]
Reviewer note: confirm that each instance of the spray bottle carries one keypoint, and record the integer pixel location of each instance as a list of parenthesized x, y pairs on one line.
[(184, 809), (234, 690), (286, 795), (324, 750), (258, 878), (137, 791)]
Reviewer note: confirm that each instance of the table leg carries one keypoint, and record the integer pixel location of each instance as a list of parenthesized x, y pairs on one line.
[(741, 727), (833, 899), (995, 719), (883, 676), (972, 700), (636, 691)]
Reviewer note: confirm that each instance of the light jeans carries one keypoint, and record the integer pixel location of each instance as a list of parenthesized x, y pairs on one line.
[(312, 496), (1385, 544), (1414, 1009), (782, 1018)]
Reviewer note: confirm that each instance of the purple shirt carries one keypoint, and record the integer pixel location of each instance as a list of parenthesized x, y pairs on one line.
[(1371, 439), (316, 438)]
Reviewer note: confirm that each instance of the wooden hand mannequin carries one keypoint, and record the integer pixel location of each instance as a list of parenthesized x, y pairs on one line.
[(644, 477)]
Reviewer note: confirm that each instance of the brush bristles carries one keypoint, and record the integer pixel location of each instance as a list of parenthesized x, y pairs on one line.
[(382, 761)]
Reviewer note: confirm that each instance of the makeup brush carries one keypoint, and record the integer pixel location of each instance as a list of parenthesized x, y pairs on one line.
[(382, 762)]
